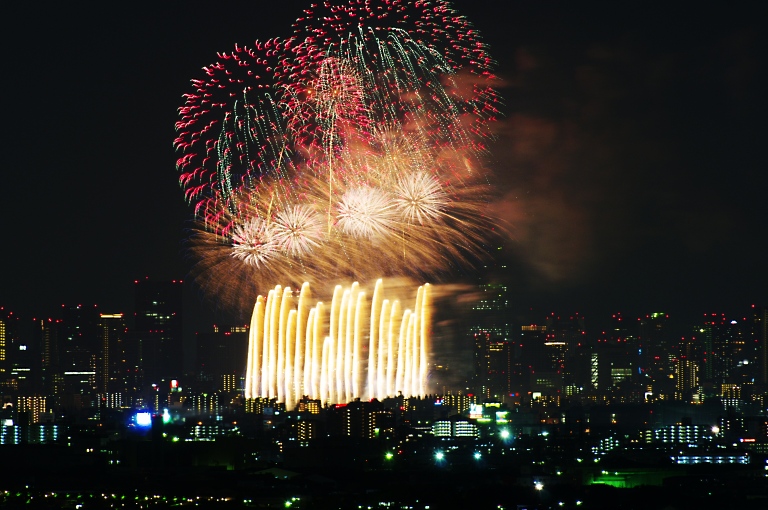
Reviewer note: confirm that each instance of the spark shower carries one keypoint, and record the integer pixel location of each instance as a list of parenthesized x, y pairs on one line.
[(320, 352)]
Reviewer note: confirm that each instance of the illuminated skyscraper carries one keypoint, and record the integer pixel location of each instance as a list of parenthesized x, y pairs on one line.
[(619, 353), (158, 329), (491, 332), (113, 366), (217, 369), (564, 334), (24, 362), (19, 357), (686, 379), (45, 334), (654, 346), (723, 343), (8, 331), (493, 361), (79, 352), (33, 407), (760, 336)]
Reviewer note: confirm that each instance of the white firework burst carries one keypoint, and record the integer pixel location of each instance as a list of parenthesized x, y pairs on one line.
[(297, 230), (365, 212), (418, 197), (253, 242)]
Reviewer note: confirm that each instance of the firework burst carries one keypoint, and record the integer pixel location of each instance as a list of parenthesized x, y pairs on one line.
[(365, 212), (298, 230), (254, 242), (419, 198), (353, 150)]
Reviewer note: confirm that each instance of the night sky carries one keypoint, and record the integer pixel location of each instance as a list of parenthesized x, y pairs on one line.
[(631, 160)]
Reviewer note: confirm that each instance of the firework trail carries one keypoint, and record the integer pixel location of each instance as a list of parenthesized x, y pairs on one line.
[(354, 149)]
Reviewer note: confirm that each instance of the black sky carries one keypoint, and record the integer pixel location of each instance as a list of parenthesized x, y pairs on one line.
[(631, 160)]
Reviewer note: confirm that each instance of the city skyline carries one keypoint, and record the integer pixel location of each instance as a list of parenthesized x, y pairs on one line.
[(393, 255), (628, 161)]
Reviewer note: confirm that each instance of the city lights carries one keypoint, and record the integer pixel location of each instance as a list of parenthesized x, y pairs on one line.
[(328, 174)]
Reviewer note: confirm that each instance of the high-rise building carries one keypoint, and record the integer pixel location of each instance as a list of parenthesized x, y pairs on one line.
[(158, 329), (221, 358), (564, 342), (33, 406), (529, 356), (205, 404), (760, 338), (490, 331), (113, 368), (566, 336), (493, 366), (654, 346), (686, 379), (723, 343), (8, 331), (24, 363), (79, 351), (45, 334), (19, 357)]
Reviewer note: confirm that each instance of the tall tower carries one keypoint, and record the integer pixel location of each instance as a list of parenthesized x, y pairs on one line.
[(490, 331), (723, 343), (760, 335), (566, 336), (22, 357), (219, 367), (686, 378), (79, 350), (7, 331), (45, 334), (655, 347), (158, 329), (112, 365)]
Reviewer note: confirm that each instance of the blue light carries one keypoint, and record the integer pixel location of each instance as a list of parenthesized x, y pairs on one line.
[(144, 419)]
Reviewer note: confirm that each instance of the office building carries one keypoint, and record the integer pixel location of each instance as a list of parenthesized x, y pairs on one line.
[(158, 330), (221, 358)]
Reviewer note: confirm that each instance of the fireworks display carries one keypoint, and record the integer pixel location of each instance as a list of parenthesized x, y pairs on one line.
[(353, 149), (297, 349)]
